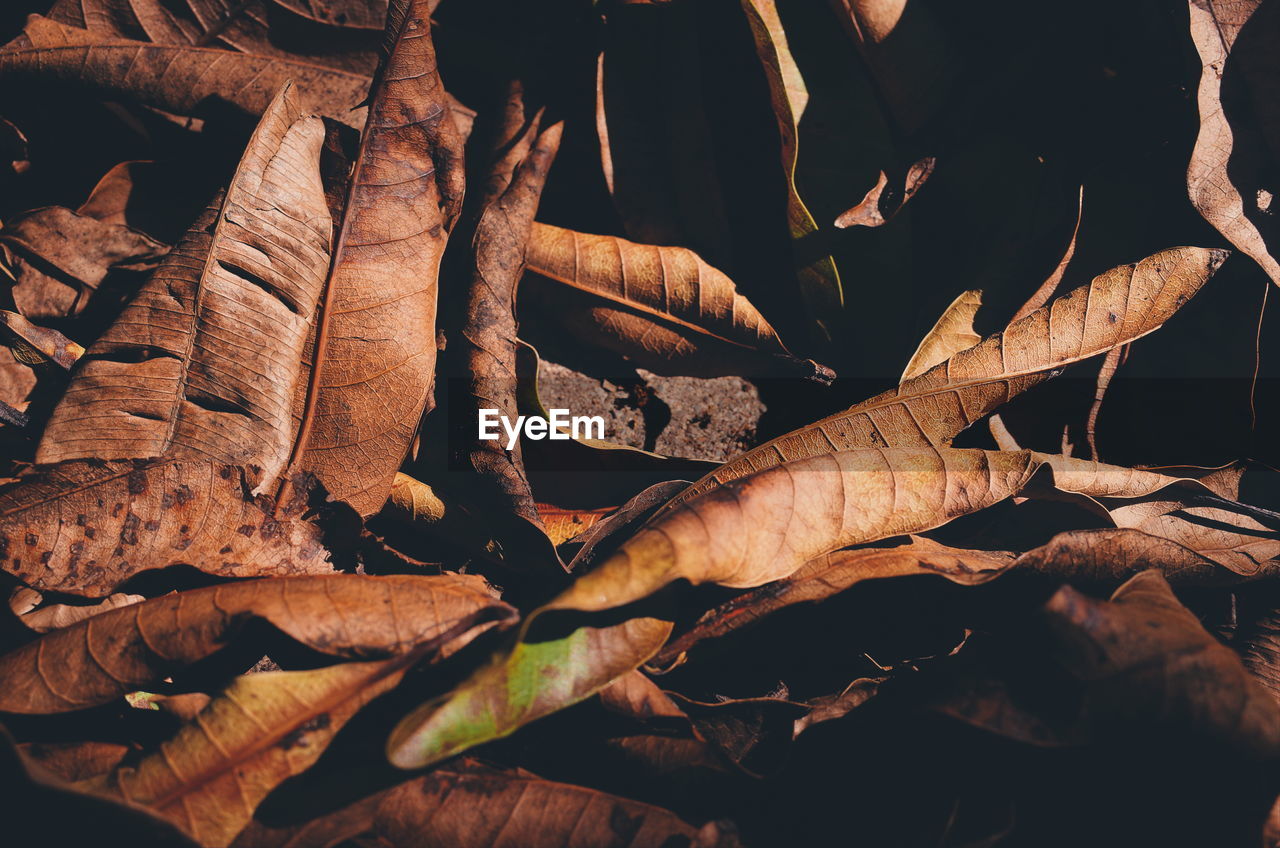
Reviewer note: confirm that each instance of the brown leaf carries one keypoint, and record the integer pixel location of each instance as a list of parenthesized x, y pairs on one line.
[(35, 345), (331, 373), (1229, 177), (1124, 304), (375, 348), (357, 14), (563, 525), (663, 307), (742, 535), (1050, 285), (883, 201), (952, 333), (86, 526), (41, 807), (61, 258), (483, 357), (908, 52), (181, 79), (57, 616), (472, 806), (1143, 661), (264, 728), (159, 381), (636, 696), (830, 574), (817, 278), (350, 616)]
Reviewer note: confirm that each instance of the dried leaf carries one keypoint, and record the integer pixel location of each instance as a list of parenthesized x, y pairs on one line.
[(1124, 304), (830, 574), (909, 54), (882, 202), (1229, 177), (357, 14), (57, 616), (87, 526), (349, 366), (181, 79), (40, 807), (350, 616), (35, 345), (374, 361), (818, 279), (1142, 661), (484, 356), (264, 728), (952, 333), (61, 258), (663, 307), (472, 806), (743, 535)]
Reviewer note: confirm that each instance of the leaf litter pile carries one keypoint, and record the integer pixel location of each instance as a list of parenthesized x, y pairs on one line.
[(1011, 578)]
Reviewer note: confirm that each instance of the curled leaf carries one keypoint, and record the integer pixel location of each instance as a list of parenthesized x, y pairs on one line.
[(344, 615), (663, 307), (1124, 304)]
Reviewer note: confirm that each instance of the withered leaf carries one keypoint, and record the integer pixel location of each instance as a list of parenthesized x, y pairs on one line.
[(357, 14), (345, 615), (60, 258), (41, 806), (348, 368), (744, 535), (35, 345), (911, 56), (56, 616), (818, 279), (952, 333), (469, 805), (882, 201), (832, 573), (375, 348), (1142, 661), (484, 355), (181, 79), (86, 526), (1121, 305), (662, 307), (159, 381), (264, 728), (1230, 175)]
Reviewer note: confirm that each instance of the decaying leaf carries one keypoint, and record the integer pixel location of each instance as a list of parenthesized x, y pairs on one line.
[(818, 279), (469, 805), (264, 728), (87, 526), (1230, 177), (662, 307), (912, 59), (882, 201), (952, 333), (1143, 661), (181, 79), (57, 616), (743, 535), (485, 351), (831, 573), (1121, 305), (258, 267), (350, 616), (35, 345), (35, 792), (60, 258)]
